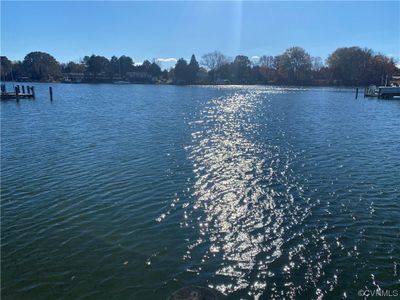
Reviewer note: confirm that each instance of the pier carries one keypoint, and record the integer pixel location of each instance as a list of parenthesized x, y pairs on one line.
[(19, 92), (382, 92)]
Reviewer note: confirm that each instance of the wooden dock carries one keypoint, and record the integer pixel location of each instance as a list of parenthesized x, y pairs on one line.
[(8, 96), (20, 92), (382, 92)]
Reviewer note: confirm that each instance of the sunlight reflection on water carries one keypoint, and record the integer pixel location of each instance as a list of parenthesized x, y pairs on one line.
[(247, 194)]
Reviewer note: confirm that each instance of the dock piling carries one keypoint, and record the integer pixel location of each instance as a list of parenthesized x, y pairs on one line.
[(51, 93), (17, 93), (356, 93)]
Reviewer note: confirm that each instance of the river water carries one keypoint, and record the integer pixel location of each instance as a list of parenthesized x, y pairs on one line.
[(134, 191)]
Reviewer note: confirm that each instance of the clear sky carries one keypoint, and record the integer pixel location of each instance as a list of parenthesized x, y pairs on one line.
[(169, 30)]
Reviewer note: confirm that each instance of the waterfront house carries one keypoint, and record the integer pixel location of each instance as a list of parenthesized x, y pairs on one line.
[(74, 77)]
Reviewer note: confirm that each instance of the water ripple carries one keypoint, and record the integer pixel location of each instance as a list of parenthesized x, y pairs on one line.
[(254, 217), (133, 191)]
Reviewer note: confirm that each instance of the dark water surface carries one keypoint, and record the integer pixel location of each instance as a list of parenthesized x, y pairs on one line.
[(133, 191)]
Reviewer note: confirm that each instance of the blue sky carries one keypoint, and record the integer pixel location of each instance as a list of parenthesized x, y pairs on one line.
[(169, 30)]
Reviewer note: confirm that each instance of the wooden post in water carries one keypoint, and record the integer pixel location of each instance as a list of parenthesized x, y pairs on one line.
[(17, 93), (23, 89), (51, 93), (28, 89), (356, 93), (33, 91)]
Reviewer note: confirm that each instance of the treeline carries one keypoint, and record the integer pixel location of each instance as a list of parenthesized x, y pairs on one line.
[(345, 66), (41, 66)]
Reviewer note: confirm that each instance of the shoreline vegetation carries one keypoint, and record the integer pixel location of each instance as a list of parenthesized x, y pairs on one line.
[(348, 66)]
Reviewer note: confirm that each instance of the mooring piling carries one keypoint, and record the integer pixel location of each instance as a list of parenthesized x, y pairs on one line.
[(51, 93), (356, 93), (33, 91)]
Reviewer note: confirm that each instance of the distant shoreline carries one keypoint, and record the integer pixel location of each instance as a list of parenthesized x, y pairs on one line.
[(346, 66), (183, 85)]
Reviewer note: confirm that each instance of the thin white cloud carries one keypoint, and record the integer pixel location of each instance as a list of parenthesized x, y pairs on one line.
[(255, 57), (167, 60)]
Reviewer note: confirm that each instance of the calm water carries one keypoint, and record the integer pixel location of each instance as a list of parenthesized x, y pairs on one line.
[(133, 191)]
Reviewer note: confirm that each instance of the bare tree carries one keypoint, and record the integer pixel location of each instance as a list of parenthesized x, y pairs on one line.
[(317, 63), (266, 61), (213, 61)]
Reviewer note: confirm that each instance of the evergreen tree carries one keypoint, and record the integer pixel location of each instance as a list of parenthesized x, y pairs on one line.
[(181, 71), (41, 66), (192, 70), (6, 67)]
